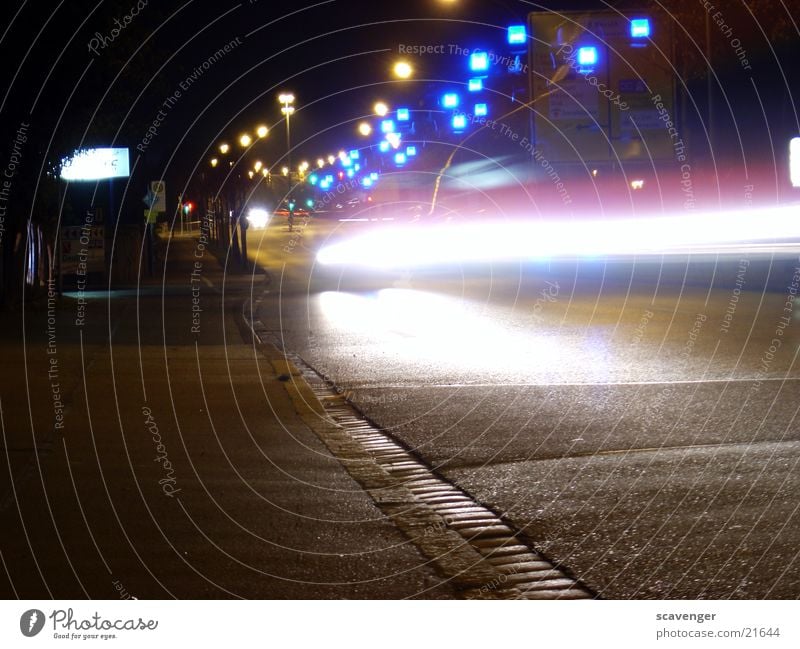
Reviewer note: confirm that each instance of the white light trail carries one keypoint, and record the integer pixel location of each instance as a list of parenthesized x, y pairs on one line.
[(504, 240)]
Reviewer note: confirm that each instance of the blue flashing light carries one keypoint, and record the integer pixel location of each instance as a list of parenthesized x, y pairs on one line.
[(517, 35), (329, 178), (313, 179), (384, 146), (479, 61), (350, 173), (374, 175), (450, 100), (357, 167), (366, 182), (324, 184), (403, 114), (354, 154), (346, 161), (400, 158), (475, 85), (640, 28), (411, 151), (459, 122), (310, 202), (387, 126), (587, 56), (481, 110)]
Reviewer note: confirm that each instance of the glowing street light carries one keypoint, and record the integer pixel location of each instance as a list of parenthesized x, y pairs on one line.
[(381, 109), (403, 70), (214, 162), (262, 131), (258, 165), (224, 148), (287, 99), (331, 159), (285, 171), (364, 128), (245, 140)]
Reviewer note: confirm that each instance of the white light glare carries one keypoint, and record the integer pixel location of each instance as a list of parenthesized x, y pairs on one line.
[(258, 218), (423, 245), (794, 161)]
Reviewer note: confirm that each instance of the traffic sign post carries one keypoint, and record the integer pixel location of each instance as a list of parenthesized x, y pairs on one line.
[(603, 86)]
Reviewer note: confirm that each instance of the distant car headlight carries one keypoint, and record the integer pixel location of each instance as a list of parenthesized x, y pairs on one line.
[(258, 218)]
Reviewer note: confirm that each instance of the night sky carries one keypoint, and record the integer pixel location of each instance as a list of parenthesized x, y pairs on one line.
[(335, 56)]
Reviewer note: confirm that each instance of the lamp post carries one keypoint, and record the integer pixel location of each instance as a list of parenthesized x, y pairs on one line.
[(287, 99)]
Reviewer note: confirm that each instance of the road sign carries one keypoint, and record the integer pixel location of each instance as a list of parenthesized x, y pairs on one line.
[(158, 188), (603, 92)]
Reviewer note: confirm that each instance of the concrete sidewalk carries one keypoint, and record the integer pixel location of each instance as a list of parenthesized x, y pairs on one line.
[(155, 453)]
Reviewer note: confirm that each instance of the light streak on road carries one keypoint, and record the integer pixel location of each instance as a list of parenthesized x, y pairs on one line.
[(755, 229)]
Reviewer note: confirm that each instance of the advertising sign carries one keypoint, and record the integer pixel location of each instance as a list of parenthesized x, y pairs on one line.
[(96, 164)]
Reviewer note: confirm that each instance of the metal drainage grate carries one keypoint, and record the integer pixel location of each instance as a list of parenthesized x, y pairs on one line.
[(521, 569)]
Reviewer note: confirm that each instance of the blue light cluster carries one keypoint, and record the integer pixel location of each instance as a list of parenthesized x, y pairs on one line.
[(587, 55), (475, 85), (403, 115), (450, 100), (517, 35), (640, 28), (479, 61)]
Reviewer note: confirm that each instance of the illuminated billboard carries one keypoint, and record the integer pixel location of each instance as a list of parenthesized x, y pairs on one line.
[(96, 164)]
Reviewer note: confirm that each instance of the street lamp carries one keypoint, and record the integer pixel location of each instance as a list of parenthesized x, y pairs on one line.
[(287, 99), (364, 128), (262, 131), (381, 109), (403, 70), (258, 165), (245, 140), (214, 162), (224, 148), (320, 163)]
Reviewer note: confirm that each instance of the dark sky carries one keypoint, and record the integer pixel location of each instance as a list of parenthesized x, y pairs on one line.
[(335, 56)]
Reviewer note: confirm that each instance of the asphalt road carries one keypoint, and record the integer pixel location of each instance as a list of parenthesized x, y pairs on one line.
[(636, 418)]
